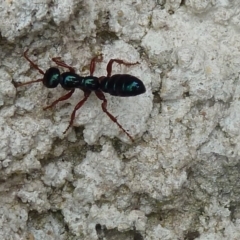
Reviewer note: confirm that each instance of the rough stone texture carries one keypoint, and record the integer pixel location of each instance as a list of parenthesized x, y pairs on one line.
[(179, 179)]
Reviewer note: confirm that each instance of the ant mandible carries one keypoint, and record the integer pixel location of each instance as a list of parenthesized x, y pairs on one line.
[(122, 85)]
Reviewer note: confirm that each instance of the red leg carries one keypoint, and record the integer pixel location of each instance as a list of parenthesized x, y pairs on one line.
[(79, 105), (119, 61), (98, 58), (65, 97), (61, 63), (32, 63), (101, 96)]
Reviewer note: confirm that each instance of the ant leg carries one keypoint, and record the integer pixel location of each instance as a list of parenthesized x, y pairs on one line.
[(98, 58), (32, 63), (61, 63), (101, 96), (64, 97), (79, 105), (119, 61)]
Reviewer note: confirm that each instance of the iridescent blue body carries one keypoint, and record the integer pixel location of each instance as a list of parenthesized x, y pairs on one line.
[(122, 85), (69, 80)]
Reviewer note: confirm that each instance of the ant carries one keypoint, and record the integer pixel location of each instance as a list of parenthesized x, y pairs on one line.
[(122, 85)]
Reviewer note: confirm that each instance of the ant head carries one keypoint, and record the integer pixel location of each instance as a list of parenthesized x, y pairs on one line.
[(51, 77)]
